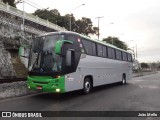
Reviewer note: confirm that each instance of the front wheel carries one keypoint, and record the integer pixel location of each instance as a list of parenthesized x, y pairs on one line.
[(87, 86)]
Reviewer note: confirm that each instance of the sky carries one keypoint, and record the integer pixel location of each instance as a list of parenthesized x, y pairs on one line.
[(136, 22)]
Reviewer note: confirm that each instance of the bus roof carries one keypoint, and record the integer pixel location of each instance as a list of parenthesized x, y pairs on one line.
[(88, 38)]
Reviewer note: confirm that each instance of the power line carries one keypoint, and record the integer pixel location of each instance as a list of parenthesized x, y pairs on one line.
[(35, 4), (30, 3)]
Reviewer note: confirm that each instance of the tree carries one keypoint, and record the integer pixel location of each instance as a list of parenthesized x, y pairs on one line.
[(116, 42), (85, 26), (82, 26), (144, 65), (10, 2), (50, 15), (66, 19), (154, 65)]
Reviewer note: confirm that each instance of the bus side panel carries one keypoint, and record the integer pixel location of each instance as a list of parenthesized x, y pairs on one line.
[(102, 70), (73, 81)]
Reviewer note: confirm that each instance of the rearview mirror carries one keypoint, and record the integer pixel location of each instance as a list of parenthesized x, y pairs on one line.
[(24, 51), (59, 45), (69, 57)]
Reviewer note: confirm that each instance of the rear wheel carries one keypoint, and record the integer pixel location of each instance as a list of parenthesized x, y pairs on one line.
[(87, 86), (123, 79)]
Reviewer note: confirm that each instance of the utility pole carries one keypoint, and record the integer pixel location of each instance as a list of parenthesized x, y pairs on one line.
[(70, 18), (136, 53), (23, 14), (98, 24), (23, 22)]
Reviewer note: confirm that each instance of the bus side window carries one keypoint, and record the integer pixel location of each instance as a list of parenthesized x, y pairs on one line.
[(113, 53), (99, 49), (129, 57), (118, 55), (109, 52), (104, 51), (88, 46), (124, 56)]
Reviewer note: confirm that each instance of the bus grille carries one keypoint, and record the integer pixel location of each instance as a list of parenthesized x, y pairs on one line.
[(40, 82)]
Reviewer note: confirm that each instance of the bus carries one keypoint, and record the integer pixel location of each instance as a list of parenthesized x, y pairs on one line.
[(66, 61)]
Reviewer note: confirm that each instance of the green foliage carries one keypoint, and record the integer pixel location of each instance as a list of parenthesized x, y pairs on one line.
[(116, 42), (82, 26), (10, 2), (144, 65), (85, 26), (52, 15)]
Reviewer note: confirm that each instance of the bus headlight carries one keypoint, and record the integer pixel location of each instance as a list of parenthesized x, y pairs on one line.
[(57, 90)]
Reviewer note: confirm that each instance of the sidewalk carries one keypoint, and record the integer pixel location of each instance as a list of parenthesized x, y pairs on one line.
[(143, 73)]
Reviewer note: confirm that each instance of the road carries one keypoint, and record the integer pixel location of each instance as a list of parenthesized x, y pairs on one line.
[(140, 93)]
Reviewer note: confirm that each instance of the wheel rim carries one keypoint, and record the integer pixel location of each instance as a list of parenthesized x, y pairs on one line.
[(123, 80), (87, 86)]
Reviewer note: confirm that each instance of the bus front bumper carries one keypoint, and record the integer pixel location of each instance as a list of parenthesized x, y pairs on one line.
[(46, 84)]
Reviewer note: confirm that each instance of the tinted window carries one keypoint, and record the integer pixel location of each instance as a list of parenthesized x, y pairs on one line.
[(99, 49), (104, 51), (124, 56), (88, 46), (118, 55), (129, 57), (94, 48), (74, 39), (111, 53)]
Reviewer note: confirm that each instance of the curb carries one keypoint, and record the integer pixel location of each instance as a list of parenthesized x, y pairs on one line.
[(14, 89), (143, 74)]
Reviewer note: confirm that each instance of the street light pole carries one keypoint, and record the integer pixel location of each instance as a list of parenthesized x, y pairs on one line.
[(98, 25), (70, 18), (23, 15), (136, 53), (23, 20)]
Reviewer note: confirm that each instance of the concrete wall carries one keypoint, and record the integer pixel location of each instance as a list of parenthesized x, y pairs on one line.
[(11, 36), (6, 68), (14, 89)]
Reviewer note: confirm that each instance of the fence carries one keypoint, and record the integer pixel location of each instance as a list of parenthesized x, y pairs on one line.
[(36, 19)]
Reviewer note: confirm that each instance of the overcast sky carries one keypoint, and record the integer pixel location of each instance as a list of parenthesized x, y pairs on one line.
[(136, 22)]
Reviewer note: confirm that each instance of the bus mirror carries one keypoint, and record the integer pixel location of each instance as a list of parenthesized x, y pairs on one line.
[(59, 45), (69, 56)]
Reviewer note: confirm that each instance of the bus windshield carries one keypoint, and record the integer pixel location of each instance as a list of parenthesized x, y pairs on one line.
[(43, 58)]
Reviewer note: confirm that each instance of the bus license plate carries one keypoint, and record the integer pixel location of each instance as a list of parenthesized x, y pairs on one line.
[(39, 87)]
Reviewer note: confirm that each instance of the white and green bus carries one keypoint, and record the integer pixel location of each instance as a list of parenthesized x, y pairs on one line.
[(68, 61)]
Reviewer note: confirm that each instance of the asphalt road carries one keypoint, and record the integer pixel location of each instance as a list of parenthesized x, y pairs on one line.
[(140, 93)]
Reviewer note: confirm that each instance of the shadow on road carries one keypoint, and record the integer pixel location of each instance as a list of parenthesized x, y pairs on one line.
[(75, 94)]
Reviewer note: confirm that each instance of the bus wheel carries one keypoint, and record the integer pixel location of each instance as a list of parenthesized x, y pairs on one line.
[(123, 79), (87, 86)]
